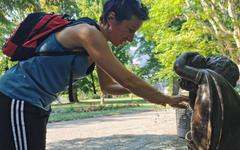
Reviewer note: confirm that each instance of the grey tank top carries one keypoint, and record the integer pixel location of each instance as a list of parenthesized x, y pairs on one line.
[(37, 80)]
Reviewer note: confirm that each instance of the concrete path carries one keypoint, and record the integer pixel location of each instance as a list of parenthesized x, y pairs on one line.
[(136, 131)]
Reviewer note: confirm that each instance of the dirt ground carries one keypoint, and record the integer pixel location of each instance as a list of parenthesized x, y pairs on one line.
[(152, 130)]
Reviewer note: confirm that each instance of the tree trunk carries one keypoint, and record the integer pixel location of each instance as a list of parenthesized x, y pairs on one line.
[(176, 86), (72, 94)]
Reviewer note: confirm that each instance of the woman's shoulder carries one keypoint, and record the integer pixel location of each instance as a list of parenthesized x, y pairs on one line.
[(76, 29), (72, 36)]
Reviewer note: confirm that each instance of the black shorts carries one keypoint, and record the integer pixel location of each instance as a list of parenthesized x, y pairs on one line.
[(22, 125)]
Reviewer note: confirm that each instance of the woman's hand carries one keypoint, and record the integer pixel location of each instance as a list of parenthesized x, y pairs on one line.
[(179, 101)]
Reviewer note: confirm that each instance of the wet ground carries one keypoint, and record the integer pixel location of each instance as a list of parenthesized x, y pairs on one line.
[(152, 130)]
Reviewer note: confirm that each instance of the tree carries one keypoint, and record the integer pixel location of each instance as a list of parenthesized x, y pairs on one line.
[(169, 31), (145, 49), (221, 18), (173, 32)]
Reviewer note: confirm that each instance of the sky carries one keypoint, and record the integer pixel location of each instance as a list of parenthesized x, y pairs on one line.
[(140, 60)]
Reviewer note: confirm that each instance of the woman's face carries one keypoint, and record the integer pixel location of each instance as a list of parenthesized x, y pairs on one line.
[(121, 32)]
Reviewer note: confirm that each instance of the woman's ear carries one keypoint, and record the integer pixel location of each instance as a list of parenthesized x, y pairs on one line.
[(111, 17), (111, 21)]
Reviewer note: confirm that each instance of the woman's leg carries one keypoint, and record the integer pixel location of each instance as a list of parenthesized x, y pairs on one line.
[(6, 135), (36, 124), (23, 125)]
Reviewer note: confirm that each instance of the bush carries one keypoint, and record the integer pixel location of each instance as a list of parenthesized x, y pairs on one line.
[(94, 96)]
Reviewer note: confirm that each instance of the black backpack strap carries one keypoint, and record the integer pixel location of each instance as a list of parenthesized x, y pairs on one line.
[(77, 53), (85, 20), (90, 68), (90, 71), (70, 85)]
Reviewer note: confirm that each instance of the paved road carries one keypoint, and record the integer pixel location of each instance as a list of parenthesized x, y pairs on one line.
[(136, 131)]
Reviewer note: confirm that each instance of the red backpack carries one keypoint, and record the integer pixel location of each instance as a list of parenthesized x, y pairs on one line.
[(33, 30)]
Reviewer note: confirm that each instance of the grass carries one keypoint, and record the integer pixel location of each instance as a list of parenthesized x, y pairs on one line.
[(93, 108)]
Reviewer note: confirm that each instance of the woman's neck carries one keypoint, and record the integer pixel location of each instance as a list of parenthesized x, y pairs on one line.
[(104, 30)]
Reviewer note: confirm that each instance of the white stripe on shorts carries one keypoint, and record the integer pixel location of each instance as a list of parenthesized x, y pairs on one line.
[(13, 124), (18, 127)]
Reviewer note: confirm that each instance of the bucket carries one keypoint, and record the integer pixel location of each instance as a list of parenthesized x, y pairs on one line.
[(183, 120)]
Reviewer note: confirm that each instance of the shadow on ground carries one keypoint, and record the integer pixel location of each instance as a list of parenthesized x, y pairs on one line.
[(122, 142)]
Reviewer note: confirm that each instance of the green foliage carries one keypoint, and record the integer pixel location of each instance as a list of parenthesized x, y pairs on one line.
[(152, 66), (85, 88), (90, 8), (173, 33), (12, 11), (221, 19), (122, 53), (69, 7)]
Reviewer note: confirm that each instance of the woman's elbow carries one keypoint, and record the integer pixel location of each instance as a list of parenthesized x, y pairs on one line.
[(127, 83), (116, 89)]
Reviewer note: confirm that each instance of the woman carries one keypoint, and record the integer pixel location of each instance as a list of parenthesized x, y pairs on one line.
[(28, 88)]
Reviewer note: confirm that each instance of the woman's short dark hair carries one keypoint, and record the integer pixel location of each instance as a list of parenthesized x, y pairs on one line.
[(124, 10)]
